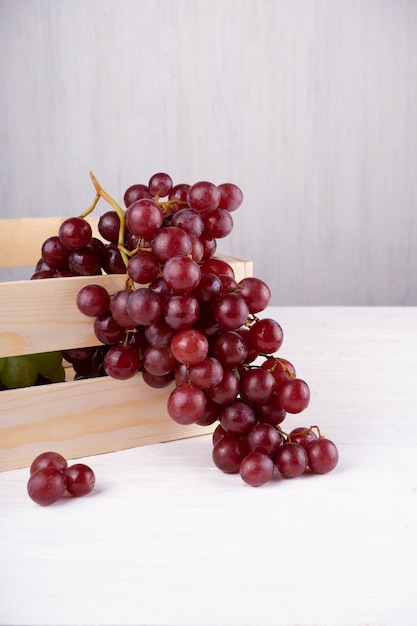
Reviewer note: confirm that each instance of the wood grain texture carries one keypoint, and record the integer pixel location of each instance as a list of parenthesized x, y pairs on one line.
[(309, 105), (85, 417)]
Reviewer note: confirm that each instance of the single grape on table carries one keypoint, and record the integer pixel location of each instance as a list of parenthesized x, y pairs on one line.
[(186, 322)]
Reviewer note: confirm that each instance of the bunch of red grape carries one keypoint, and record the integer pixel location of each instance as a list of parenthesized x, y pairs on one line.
[(263, 448), (182, 316), (50, 477)]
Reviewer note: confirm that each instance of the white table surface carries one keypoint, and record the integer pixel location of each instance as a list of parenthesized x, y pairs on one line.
[(166, 539)]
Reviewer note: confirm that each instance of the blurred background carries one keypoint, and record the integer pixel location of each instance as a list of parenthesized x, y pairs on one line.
[(310, 106)]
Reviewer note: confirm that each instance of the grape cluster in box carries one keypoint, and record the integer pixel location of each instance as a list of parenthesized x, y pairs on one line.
[(182, 316)]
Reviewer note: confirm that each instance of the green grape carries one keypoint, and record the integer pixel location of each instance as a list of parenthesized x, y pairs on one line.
[(46, 362), (19, 371), (58, 375)]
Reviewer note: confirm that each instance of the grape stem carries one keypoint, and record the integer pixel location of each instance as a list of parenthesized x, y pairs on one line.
[(92, 207), (166, 205), (103, 194), (276, 362)]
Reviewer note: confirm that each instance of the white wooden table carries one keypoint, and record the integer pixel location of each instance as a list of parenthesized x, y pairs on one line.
[(166, 539)]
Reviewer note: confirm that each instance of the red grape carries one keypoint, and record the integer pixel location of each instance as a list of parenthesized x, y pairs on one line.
[(109, 226), (188, 220), (228, 453), (266, 335), (93, 300), (158, 361), (205, 374), (208, 289), (160, 184), (80, 479), (229, 348), (203, 196), (231, 311), (294, 395), (270, 412), (301, 435), (136, 192), (75, 233), (144, 306), (255, 292), (84, 261), (291, 460), (159, 334), (54, 253), (121, 362), (189, 346), (181, 311), (256, 469), (218, 223), (118, 309), (231, 196), (143, 267), (46, 485), (107, 330), (186, 404), (217, 267), (238, 417), (281, 369), (323, 455), (144, 218), (171, 241), (264, 438), (181, 274), (257, 385), (49, 459)]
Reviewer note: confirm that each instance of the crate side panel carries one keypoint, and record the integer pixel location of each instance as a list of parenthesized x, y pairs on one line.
[(42, 315), (83, 418)]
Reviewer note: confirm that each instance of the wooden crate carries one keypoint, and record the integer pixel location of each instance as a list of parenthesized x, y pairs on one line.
[(76, 418)]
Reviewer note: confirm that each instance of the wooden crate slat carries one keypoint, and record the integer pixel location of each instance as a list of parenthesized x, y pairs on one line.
[(83, 418), (42, 315)]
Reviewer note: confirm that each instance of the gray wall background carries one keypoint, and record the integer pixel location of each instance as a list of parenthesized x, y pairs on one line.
[(309, 105)]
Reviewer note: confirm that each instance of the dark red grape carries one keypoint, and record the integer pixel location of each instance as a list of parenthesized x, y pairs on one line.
[(121, 362), (160, 184), (231, 196), (186, 404), (80, 479), (294, 395), (75, 233), (49, 459), (203, 196), (189, 346), (238, 417), (136, 192), (109, 226), (46, 485), (228, 453), (256, 469), (323, 455), (93, 300), (266, 335), (257, 385), (265, 439), (291, 460)]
